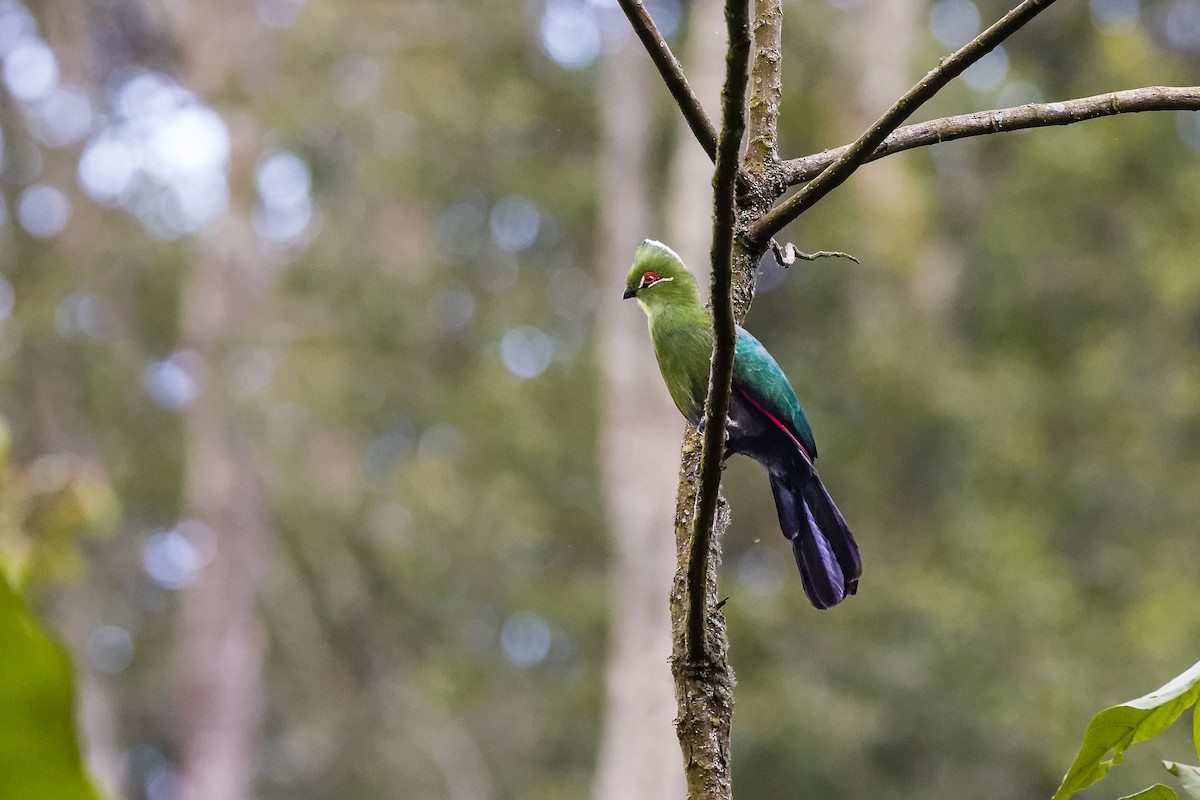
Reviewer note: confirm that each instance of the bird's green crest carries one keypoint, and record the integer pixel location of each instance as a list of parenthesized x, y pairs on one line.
[(659, 276)]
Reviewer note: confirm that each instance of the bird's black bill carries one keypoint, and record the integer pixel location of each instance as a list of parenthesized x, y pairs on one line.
[(629, 293)]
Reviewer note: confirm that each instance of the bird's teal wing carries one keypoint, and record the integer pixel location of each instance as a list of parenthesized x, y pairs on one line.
[(757, 375)]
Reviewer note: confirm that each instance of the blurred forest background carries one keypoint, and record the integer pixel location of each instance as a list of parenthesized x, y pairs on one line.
[(337, 463)]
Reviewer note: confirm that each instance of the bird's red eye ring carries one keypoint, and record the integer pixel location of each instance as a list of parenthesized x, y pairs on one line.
[(649, 278)]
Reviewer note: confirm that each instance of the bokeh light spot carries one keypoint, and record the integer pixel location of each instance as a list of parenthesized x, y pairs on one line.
[(759, 571), (525, 639), (167, 783), (169, 383), (107, 169), (1188, 125), (526, 352), (954, 22), (987, 73), (570, 34), (282, 178), (285, 211), (1181, 25), (666, 15), (79, 313), (17, 26), (43, 211), (163, 156), (191, 141), (171, 560), (109, 649), (282, 224), (31, 70), (64, 117), (1114, 14), (514, 223)]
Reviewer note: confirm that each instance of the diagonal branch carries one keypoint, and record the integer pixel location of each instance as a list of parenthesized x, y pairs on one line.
[(716, 406), (1002, 120), (858, 152), (672, 74)]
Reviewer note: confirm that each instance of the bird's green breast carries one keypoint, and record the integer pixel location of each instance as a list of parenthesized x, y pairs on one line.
[(682, 339)]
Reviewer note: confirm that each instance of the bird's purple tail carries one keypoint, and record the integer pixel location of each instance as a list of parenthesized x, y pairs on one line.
[(825, 551)]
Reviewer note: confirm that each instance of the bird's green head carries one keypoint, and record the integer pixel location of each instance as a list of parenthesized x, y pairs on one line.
[(658, 277)]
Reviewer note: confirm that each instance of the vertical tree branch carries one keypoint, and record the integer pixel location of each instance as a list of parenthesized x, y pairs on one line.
[(703, 680), (672, 74), (842, 168), (766, 83), (703, 691), (716, 406)]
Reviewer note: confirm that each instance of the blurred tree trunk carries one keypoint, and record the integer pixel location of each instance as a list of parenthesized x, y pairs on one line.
[(639, 759), (689, 189), (639, 755), (220, 637), (886, 190), (221, 644)]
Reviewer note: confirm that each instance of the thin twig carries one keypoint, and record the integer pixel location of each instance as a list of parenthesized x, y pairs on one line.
[(672, 74), (1002, 120), (845, 165), (789, 253), (716, 406)]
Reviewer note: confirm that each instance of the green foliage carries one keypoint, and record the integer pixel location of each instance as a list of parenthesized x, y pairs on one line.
[(1155, 792), (39, 756), (1118, 728), (45, 511)]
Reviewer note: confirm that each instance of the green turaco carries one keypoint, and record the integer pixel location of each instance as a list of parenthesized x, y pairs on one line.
[(766, 421)]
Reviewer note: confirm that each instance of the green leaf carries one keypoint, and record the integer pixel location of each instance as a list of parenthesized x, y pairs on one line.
[(1117, 728), (1189, 777), (1155, 792), (1196, 729), (39, 755)]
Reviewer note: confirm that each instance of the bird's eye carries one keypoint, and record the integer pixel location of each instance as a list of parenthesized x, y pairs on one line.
[(649, 278)]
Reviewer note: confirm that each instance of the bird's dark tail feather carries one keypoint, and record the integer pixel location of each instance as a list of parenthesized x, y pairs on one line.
[(825, 551)]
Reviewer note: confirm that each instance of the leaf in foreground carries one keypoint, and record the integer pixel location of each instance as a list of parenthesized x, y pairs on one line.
[(1189, 777), (1117, 728), (1196, 729), (1155, 792), (39, 755)]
